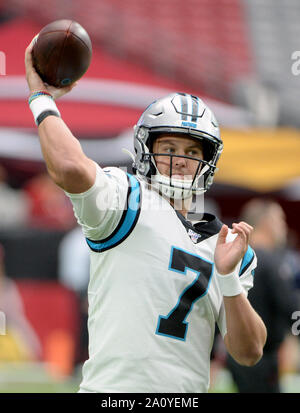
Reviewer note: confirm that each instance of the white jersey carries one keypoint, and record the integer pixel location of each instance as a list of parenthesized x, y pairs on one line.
[(153, 294)]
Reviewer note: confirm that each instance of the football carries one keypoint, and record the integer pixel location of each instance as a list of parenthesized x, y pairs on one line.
[(62, 52)]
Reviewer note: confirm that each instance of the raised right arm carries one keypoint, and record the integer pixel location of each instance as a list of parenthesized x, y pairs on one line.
[(66, 162)]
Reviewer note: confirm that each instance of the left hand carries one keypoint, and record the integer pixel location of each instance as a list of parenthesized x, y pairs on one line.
[(228, 254)]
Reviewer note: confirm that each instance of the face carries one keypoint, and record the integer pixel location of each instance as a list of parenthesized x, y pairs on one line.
[(177, 145)]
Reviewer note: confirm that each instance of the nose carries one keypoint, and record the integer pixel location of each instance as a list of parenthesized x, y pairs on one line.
[(179, 161)]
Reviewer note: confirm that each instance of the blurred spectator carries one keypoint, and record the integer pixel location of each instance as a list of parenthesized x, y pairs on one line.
[(74, 261), (292, 259), (13, 205), (19, 343), (74, 272), (272, 296), (49, 207)]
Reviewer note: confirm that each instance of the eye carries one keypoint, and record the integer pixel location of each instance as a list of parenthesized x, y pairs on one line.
[(168, 149), (194, 152)]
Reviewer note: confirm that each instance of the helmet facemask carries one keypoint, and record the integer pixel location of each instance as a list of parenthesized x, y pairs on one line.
[(167, 184), (177, 188)]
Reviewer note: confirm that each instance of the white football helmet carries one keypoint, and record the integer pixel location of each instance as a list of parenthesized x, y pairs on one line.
[(177, 113)]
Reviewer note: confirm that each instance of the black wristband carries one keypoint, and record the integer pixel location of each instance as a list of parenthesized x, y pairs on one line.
[(44, 114)]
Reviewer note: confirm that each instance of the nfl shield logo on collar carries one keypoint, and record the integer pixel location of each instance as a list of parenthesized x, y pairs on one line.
[(193, 235)]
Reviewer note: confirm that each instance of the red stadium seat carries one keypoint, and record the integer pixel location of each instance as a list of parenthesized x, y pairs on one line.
[(146, 31)]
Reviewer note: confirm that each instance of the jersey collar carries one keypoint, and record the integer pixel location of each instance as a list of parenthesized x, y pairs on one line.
[(209, 225)]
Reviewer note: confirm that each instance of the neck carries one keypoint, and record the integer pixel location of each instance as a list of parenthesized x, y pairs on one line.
[(182, 205)]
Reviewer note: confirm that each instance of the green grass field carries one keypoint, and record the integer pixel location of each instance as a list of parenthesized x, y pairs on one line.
[(35, 378)]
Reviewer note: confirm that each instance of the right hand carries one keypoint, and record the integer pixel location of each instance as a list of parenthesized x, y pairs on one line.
[(35, 83)]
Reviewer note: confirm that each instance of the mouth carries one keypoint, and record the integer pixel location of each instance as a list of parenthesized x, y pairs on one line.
[(181, 176), (177, 176)]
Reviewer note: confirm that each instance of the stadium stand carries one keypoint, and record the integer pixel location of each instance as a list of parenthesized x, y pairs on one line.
[(274, 32), (216, 45), (208, 46)]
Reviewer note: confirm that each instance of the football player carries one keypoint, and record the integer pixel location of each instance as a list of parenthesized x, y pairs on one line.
[(158, 284)]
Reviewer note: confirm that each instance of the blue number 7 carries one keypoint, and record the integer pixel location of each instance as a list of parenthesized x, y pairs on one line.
[(174, 325)]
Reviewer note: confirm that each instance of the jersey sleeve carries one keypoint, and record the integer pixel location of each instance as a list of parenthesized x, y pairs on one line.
[(245, 268), (99, 210)]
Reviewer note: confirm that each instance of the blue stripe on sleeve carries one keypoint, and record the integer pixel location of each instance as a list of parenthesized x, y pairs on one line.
[(129, 221), (248, 257)]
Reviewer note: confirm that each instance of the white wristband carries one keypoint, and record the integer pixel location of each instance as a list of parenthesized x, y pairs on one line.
[(229, 284), (43, 104)]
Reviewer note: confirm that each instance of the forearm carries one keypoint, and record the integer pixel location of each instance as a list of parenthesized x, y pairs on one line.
[(246, 332)]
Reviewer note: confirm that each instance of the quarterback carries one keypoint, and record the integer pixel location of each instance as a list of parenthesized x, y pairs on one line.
[(158, 284)]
